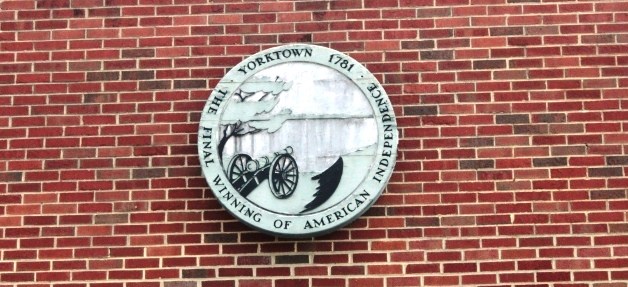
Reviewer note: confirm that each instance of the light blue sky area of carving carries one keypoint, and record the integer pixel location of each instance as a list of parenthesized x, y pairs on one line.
[(320, 112)]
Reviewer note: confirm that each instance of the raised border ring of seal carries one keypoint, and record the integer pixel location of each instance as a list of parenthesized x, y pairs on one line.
[(298, 140)]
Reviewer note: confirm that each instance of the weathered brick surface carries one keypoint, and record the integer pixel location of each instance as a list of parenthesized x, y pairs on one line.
[(513, 158)]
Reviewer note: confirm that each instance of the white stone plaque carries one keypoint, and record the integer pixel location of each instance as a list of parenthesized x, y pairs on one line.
[(298, 140)]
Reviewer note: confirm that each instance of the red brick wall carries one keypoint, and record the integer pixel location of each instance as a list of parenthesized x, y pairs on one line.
[(512, 163)]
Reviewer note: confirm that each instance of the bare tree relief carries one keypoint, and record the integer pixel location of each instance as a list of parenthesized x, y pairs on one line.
[(249, 112), (237, 129)]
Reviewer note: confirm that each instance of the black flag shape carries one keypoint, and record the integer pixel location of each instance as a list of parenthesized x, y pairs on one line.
[(328, 181)]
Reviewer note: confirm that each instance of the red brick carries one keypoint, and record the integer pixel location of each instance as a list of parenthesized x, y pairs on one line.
[(441, 280), (551, 117), (375, 282)]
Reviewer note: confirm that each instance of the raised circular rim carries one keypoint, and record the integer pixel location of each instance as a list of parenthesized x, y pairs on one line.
[(334, 217)]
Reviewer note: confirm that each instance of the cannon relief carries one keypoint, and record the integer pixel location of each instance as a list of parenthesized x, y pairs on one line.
[(279, 168)]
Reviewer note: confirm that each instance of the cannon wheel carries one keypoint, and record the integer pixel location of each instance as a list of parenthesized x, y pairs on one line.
[(237, 167), (284, 176)]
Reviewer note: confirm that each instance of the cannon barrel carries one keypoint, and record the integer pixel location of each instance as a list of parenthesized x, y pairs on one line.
[(265, 161)]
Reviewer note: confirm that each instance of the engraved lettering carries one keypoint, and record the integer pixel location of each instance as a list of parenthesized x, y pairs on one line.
[(332, 217), (216, 101)]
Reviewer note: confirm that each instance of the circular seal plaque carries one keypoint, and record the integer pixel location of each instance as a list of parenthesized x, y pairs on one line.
[(298, 140)]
